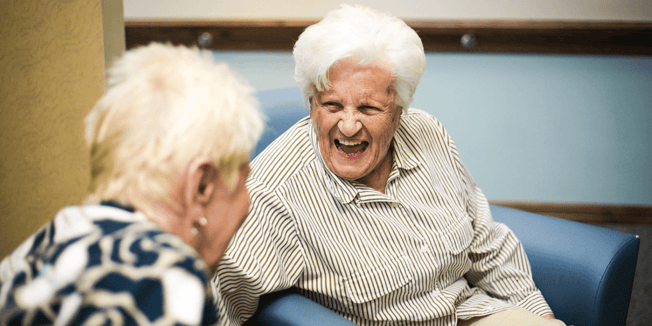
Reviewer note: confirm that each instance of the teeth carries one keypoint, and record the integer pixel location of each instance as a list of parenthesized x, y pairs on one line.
[(348, 143), (340, 143)]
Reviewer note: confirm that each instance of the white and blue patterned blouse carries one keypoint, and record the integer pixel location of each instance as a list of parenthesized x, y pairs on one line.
[(104, 265)]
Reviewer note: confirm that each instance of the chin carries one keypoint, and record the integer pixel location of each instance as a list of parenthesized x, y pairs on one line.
[(348, 173), (348, 169)]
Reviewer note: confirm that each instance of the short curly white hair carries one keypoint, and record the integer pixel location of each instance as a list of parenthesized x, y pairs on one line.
[(164, 107), (365, 35)]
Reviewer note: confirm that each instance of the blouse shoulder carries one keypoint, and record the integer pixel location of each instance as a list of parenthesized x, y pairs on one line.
[(420, 127), (283, 157), (417, 119)]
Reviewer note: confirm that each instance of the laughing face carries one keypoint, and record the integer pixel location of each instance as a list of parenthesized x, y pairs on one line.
[(355, 119)]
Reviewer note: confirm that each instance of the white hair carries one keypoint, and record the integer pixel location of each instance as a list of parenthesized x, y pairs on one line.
[(365, 35), (164, 107)]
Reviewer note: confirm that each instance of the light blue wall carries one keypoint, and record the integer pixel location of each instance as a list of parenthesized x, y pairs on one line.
[(529, 127)]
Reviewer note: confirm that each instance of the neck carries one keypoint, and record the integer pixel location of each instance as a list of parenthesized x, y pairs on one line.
[(377, 179)]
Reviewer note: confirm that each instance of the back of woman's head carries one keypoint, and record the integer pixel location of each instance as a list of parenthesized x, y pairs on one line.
[(364, 35), (165, 106)]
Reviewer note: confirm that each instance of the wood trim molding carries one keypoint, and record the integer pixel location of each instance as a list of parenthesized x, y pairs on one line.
[(481, 36), (592, 213)]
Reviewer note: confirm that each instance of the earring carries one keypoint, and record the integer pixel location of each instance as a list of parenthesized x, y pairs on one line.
[(202, 221)]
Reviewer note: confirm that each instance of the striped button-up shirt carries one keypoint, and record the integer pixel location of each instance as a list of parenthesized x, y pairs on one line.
[(425, 252)]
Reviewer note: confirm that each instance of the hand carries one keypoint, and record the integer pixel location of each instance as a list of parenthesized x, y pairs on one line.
[(551, 316)]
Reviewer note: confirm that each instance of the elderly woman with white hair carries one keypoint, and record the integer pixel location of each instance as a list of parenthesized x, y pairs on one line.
[(365, 206), (169, 152)]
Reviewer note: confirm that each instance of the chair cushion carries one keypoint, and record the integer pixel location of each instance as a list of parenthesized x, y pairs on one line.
[(585, 272)]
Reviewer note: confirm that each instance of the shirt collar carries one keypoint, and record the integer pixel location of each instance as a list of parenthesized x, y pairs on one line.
[(405, 149), (346, 191)]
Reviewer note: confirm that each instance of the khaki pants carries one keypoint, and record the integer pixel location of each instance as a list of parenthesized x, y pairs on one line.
[(512, 317)]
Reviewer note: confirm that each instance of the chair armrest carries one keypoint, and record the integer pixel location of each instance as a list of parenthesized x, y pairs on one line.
[(288, 308), (585, 272)]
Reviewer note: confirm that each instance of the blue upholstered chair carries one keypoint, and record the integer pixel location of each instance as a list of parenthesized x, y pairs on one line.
[(585, 272)]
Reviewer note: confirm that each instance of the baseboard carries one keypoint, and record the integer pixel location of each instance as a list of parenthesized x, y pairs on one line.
[(593, 213)]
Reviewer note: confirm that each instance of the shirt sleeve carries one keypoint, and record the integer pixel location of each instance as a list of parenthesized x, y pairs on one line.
[(499, 263), (264, 256)]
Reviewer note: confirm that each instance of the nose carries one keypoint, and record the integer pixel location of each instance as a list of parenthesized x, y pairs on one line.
[(349, 124)]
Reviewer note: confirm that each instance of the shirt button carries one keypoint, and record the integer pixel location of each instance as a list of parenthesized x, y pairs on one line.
[(435, 293), (425, 249)]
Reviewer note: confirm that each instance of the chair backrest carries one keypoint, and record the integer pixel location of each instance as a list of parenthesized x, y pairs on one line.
[(283, 108)]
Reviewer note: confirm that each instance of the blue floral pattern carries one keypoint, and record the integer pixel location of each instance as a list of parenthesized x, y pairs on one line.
[(104, 265)]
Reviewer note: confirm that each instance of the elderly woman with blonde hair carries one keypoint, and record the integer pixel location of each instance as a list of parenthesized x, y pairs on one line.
[(365, 206), (169, 150)]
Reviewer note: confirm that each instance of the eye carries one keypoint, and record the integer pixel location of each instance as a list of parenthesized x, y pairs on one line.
[(368, 109), (332, 106)]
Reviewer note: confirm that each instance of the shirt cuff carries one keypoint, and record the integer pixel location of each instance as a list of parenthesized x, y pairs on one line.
[(536, 304)]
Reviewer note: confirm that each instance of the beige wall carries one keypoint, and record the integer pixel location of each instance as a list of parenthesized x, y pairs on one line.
[(636, 10), (51, 74)]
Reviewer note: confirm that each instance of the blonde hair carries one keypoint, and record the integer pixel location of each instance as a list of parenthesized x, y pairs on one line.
[(363, 34), (165, 106)]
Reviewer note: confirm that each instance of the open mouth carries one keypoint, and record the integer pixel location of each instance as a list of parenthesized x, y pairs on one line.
[(351, 148)]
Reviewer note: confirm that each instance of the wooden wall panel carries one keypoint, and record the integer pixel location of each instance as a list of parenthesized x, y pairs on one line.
[(491, 36), (592, 213)]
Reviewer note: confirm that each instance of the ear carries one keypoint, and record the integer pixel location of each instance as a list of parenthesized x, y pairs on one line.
[(311, 102), (201, 182)]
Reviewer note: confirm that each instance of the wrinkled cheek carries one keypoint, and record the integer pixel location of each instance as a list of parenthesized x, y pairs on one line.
[(387, 136), (323, 136), (322, 139)]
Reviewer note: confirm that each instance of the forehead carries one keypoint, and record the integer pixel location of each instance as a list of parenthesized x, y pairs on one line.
[(350, 77)]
